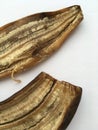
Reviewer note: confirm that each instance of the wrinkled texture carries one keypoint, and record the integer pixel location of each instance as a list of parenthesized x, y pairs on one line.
[(44, 104), (28, 41)]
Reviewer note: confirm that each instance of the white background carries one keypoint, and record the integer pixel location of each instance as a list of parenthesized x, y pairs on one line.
[(76, 61)]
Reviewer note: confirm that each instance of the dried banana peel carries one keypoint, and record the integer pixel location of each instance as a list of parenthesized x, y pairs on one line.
[(44, 104), (30, 40)]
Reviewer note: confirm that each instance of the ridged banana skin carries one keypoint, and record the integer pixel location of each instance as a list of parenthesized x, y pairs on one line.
[(30, 40), (44, 104)]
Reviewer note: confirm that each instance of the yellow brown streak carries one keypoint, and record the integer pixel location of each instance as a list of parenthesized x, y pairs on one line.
[(49, 120), (37, 114), (30, 24), (43, 21), (59, 105), (33, 49), (36, 33), (13, 32), (13, 56), (33, 100)]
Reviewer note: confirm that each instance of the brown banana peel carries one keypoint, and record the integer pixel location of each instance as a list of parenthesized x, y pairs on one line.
[(44, 104), (30, 40)]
